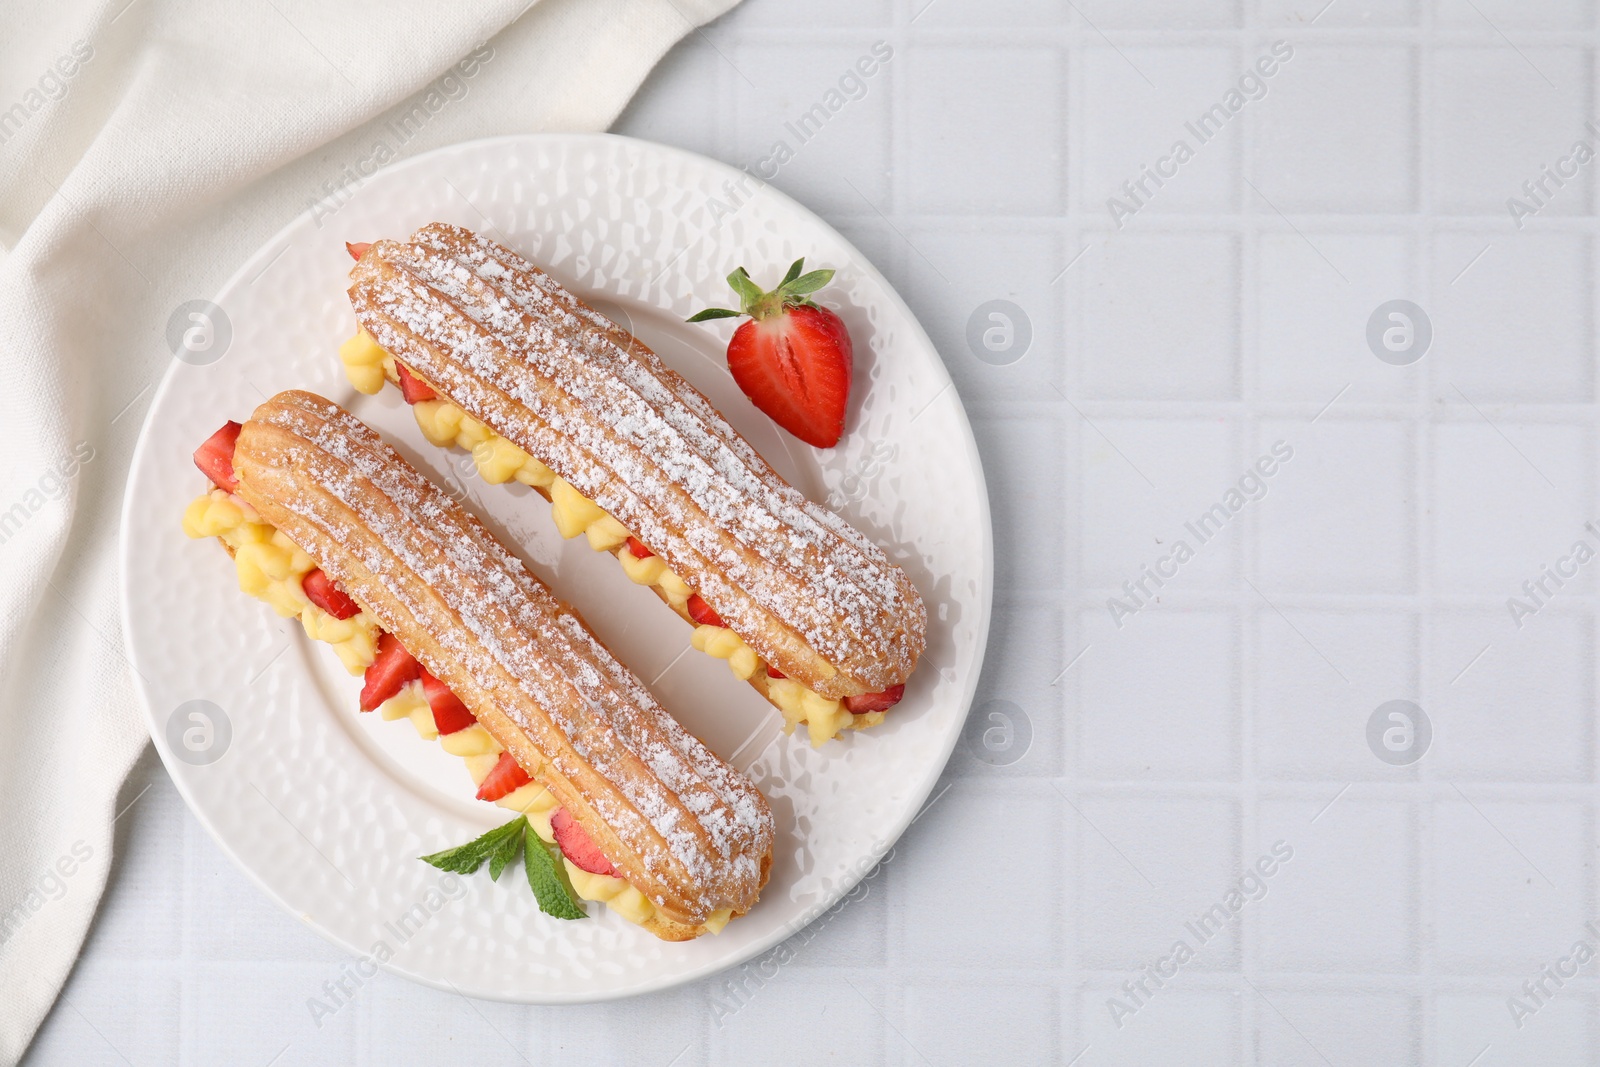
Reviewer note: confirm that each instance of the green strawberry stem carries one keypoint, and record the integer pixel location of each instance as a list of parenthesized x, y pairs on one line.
[(793, 291)]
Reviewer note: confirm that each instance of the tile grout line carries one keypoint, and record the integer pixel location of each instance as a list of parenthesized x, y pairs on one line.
[(1246, 559), (1071, 235), (1421, 815)]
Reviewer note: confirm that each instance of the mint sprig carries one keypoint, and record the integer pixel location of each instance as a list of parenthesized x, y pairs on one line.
[(499, 847), (467, 858)]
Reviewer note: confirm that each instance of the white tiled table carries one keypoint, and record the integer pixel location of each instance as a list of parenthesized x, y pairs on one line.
[(1152, 763)]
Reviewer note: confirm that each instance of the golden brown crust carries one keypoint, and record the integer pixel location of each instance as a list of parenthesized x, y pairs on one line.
[(692, 834), (667, 930), (505, 342)]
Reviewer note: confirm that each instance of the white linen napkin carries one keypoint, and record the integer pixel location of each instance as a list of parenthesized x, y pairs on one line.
[(146, 148)]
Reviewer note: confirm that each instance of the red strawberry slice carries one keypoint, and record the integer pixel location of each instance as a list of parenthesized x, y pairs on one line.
[(357, 249), (797, 369), (578, 846), (793, 359), (449, 714), (636, 546), (215, 457), (392, 667), (701, 612), (412, 387), (326, 594), (860, 705), (773, 672), (505, 778)]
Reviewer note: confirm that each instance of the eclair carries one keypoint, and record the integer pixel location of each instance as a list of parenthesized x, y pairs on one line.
[(497, 357), (328, 523)]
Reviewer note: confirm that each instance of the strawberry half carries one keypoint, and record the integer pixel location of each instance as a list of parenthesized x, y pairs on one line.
[(392, 667), (636, 546), (860, 705), (412, 387), (449, 714), (326, 594), (577, 845), (505, 778), (793, 358), (357, 249), (701, 612), (215, 457)]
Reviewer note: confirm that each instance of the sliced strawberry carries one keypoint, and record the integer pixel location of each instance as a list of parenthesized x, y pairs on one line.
[(215, 457), (357, 249), (412, 387), (505, 778), (701, 612), (636, 546), (577, 845), (392, 667), (326, 594), (449, 714), (797, 369), (860, 705), (773, 672), (793, 358)]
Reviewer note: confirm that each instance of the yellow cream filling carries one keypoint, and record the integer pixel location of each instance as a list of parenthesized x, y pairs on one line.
[(723, 643), (823, 716), (271, 569), (365, 363), (499, 460)]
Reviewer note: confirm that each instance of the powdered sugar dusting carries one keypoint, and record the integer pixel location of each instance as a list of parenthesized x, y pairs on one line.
[(516, 350), (697, 830)]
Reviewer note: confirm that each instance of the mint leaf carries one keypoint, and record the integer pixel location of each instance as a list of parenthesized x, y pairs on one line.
[(506, 851), (548, 879), (464, 859)]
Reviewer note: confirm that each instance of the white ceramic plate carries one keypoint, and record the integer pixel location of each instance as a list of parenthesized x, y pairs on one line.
[(327, 809)]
